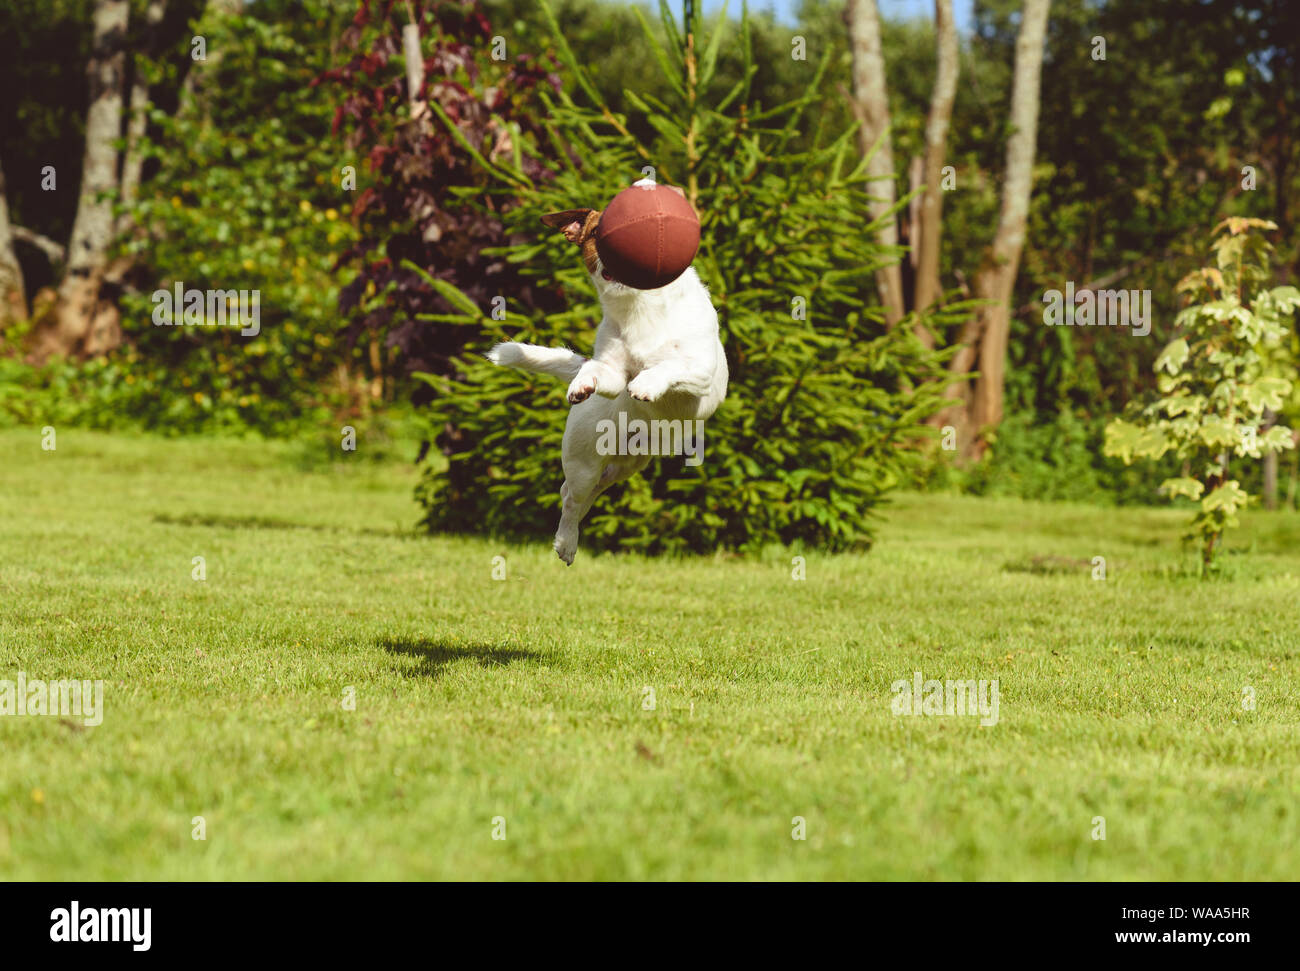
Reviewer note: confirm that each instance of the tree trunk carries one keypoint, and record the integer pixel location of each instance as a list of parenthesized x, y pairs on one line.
[(138, 123), (92, 230), (1270, 465), (1295, 472), (13, 295), (996, 277), (942, 96), (871, 105)]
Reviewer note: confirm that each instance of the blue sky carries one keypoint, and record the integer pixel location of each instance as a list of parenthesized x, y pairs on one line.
[(891, 9)]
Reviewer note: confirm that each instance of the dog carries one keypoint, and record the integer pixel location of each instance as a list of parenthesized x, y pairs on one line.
[(657, 357)]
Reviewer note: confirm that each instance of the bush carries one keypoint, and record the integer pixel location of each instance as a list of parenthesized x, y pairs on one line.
[(1221, 382), (1053, 457), (407, 213), (246, 196), (825, 408)]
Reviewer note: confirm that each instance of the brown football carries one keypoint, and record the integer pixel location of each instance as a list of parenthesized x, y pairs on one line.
[(648, 236)]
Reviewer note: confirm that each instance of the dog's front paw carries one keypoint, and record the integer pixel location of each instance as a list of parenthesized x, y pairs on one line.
[(580, 389), (646, 387)]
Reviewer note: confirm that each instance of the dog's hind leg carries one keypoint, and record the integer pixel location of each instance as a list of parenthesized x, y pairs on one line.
[(580, 488), (615, 472), (579, 492)]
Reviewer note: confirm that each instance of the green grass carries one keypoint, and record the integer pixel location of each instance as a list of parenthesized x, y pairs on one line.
[(522, 698)]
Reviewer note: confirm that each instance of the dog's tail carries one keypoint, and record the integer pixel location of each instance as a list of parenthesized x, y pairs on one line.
[(558, 361)]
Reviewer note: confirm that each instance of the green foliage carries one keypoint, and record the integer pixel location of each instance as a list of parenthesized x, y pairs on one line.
[(59, 393), (1036, 455), (1214, 381), (825, 405), (1128, 174), (246, 196)]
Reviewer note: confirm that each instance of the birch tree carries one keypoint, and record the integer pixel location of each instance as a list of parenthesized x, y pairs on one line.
[(871, 106), (929, 237), (997, 277), (92, 229), (133, 161), (13, 296), (984, 339)]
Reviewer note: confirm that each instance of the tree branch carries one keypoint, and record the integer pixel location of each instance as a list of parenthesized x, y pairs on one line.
[(49, 247)]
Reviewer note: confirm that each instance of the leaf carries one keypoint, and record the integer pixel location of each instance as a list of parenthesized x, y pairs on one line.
[(1236, 225), (709, 61), (1173, 357), (1286, 297), (1218, 108), (1205, 277), (447, 291), (1266, 392), (566, 54), (1217, 432), (1179, 404), (1227, 498), (454, 130), (1126, 441), (1191, 488), (670, 71), (1277, 439)]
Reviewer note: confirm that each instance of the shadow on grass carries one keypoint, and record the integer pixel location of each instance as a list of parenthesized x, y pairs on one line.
[(1048, 565), (436, 656), (268, 522)]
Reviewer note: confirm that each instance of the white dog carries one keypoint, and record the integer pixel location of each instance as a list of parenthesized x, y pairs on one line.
[(657, 357)]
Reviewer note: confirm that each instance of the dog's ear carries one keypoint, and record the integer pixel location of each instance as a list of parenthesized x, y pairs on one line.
[(570, 221), (678, 189)]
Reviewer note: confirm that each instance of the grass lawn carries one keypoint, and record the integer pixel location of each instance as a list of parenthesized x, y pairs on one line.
[(523, 698)]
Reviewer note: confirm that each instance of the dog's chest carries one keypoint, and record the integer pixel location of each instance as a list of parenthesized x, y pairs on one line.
[(648, 335), (645, 351), (641, 343)]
